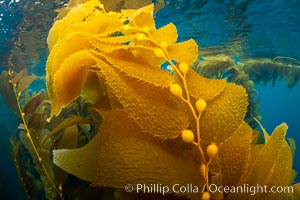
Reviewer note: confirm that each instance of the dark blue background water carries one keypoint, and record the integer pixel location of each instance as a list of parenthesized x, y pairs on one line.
[(254, 28)]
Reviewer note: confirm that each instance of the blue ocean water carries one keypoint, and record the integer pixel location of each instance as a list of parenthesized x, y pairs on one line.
[(246, 29)]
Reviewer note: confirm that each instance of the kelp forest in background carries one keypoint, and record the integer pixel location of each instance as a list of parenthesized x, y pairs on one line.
[(105, 98)]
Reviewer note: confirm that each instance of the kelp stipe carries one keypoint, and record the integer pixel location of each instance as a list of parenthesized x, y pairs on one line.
[(19, 84)]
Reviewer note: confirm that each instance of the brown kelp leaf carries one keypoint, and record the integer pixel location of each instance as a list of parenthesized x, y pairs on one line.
[(64, 124), (69, 80), (186, 51), (134, 67), (273, 164), (6, 90), (35, 121), (128, 156), (234, 155), (201, 87), (167, 33), (69, 138), (224, 114), (31, 106), (19, 75), (154, 109), (27, 144), (25, 81)]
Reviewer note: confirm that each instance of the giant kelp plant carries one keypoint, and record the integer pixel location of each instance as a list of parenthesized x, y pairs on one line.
[(111, 116)]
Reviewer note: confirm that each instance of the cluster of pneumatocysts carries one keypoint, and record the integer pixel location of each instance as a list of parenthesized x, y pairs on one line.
[(188, 135)]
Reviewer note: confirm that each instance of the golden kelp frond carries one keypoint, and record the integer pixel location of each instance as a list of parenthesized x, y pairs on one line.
[(184, 52), (134, 67), (201, 87), (234, 155), (151, 107), (224, 114), (272, 165), (124, 157), (144, 17), (121, 151), (167, 33), (74, 42), (60, 57), (70, 44), (67, 83), (270, 158), (75, 15), (57, 56)]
